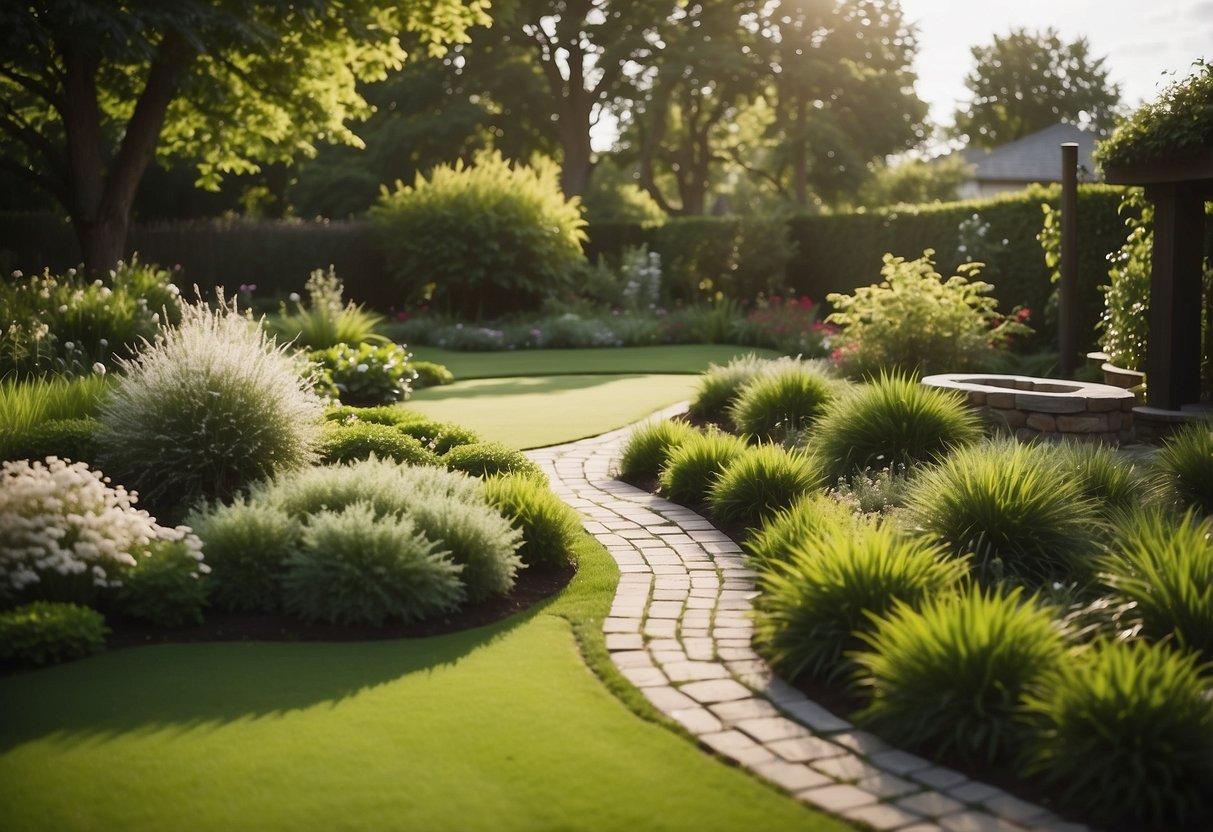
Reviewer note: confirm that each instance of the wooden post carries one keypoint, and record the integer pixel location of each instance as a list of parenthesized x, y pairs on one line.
[(1067, 306)]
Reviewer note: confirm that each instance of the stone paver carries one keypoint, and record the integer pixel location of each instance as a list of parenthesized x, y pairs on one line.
[(680, 630)]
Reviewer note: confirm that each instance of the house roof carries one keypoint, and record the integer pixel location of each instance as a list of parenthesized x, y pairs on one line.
[(1035, 157)]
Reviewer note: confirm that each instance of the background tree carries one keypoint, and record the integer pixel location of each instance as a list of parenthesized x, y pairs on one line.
[(92, 90), (1027, 81)]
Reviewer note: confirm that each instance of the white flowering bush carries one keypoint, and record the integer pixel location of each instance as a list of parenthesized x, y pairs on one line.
[(67, 535)]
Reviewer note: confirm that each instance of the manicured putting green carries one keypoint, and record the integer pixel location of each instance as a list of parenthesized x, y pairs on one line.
[(676, 358), (532, 412), (500, 728)]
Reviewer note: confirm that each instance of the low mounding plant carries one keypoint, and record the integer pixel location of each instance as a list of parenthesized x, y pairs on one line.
[(1103, 476), (326, 320), (549, 526), (488, 236), (486, 459), (648, 448), (1165, 566), (367, 374), (1186, 461), (1125, 732), (439, 437), (66, 535), (430, 374), (785, 399), (873, 492), (48, 632), (380, 415), (916, 321), (891, 422), (247, 545), (720, 386), (834, 583), (207, 409), (350, 441), (71, 439), (164, 587), (695, 463), (355, 566), (808, 517), (761, 482), (949, 675), (1012, 506)]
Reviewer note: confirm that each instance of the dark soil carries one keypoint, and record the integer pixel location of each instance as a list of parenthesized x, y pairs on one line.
[(531, 587)]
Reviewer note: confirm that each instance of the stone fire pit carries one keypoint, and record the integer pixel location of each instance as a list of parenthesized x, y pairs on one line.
[(1036, 407)]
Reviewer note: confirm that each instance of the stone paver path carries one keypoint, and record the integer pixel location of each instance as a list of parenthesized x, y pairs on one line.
[(680, 630)]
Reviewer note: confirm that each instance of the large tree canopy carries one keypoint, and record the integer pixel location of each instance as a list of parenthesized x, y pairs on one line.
[(92, 90), (1027, 81)]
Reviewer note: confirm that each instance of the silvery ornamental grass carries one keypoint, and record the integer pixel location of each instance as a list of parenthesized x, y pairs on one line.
[(207, 408), (66, 533)]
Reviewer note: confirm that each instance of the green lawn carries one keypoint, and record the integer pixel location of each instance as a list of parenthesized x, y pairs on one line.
[(679, 358), (500, 728)]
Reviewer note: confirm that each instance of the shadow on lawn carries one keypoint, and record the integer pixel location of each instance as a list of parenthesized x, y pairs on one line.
[(188, 686), (477, 388)]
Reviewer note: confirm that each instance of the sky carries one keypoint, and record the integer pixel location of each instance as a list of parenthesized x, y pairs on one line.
[(1140, 40)]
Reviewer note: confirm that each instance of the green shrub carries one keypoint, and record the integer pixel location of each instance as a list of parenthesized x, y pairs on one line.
[(649, 446), (358, 567), (1103, 475), (1012, 506), (1125, 321), (720, 386), (46, 632), (1165, 566), (380, 415), (246, 544), (489, 236), (25, 405), (1124, 733), (949, 675), (368, 374), (889, 423), (695, 463), (818, 598), (164, 588), (550, 528), (207, 409), (761, 482), (74, 439), (916, 321), (326, 320), (430, 374), (1178, 123), (347, 442), (808, 517), (439, 437), (1186, 462), (785, 399), (486, 459)]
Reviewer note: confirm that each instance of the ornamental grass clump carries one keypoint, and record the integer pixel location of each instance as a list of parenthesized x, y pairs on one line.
[(761, 482), (648, 448), (26, 405), (1165, 566), (49, 632), (1104, 476), (891, 422), (784, 400), (720, 386), (949, 676), (1011, 506), (207, 409), (809, 516), (67, 535), (550, 528), (1186, 463), (1124, 731), (695, 464), (832, 586), (326, 320)]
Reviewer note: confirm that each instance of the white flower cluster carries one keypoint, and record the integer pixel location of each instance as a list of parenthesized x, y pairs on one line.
[(64, 518)]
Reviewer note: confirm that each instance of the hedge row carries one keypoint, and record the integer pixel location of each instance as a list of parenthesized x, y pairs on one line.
[(818, 255)]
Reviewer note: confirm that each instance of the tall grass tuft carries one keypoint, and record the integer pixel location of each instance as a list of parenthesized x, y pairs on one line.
[(694, 465), (822, 595), (808, 517), (1104, 476), (207, 409), (1186, 462), (1165, 566), (720, 386), (1125, 732), (26, 404), (550, 528), (648, 448), (949, 675), (893, 421), (778, 403), (1013, 507), (326, 320), (761, 482)]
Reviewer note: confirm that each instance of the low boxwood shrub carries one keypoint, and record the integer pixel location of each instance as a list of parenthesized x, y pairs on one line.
[(893, 421), (384, 414), (809, 516), (247, 544), (1124, 733), (71, 439), (430, 374), (549, 527), (439, 437), (350, 441), (485, 459), (649, 446), (1013, 507), (761, 482), (778, 403), (355, 566), (49, 632), (693, 466), (949, 676), (1186, 463), (367, 374), (833, 583), (1165, 566)]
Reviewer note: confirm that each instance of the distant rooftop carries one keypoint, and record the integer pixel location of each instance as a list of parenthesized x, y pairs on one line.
[(1034, 158)]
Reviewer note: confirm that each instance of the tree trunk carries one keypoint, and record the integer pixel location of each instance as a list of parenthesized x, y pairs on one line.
[(102, 240), (576, 165)]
